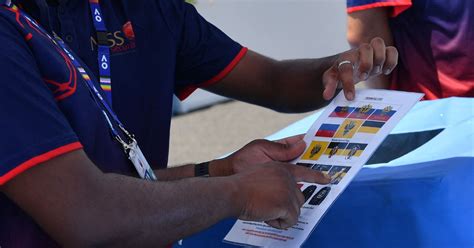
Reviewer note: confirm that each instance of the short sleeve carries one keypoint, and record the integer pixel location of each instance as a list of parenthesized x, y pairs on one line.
[(32, 127), (397, 6), (205, 54)]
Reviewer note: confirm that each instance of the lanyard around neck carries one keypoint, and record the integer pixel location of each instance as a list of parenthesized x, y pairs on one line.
[(129, 144), (103, 50)]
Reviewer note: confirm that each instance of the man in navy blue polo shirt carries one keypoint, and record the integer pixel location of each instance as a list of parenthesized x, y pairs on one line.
[(69, 107)]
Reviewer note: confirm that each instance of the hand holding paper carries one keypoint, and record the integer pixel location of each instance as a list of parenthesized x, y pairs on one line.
[(268, 192), (339, 143)]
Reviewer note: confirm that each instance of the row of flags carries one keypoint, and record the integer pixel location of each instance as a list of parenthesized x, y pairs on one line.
[(349, 128), (363, 119), (330, 149), (364, 112)]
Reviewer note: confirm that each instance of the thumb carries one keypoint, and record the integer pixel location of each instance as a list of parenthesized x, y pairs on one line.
[(284, 152)]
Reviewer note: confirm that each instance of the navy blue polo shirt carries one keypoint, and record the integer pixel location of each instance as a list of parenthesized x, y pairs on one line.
[(158, 48)]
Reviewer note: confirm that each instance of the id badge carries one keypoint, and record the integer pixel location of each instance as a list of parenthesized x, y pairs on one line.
[(139, 161)]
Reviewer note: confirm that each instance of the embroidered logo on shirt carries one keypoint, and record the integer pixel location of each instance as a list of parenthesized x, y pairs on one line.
[(120, 41)]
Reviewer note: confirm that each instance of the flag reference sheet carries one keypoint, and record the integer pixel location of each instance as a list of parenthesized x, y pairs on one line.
[(339, 143)]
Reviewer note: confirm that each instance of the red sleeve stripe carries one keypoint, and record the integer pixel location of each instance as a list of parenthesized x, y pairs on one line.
[(38, 160), (398, 7), (183, 94)]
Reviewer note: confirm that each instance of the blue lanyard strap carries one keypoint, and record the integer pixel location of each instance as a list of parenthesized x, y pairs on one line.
[(103, 51), (102, 102)]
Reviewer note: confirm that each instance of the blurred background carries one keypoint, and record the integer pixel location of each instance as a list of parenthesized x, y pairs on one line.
[(206, 126)]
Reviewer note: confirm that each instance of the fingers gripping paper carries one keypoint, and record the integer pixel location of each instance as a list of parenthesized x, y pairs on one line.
[(339, 143)]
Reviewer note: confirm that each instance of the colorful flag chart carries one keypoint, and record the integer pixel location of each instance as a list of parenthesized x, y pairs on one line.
[(347, 121), (339, 143)]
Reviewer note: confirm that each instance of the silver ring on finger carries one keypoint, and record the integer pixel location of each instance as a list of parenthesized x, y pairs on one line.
[(345, 62)]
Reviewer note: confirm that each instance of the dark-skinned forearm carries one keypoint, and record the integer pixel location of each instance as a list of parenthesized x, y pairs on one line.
[(175, 173), (298, 84), (80, 206), (129, 212), (284, 86)]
